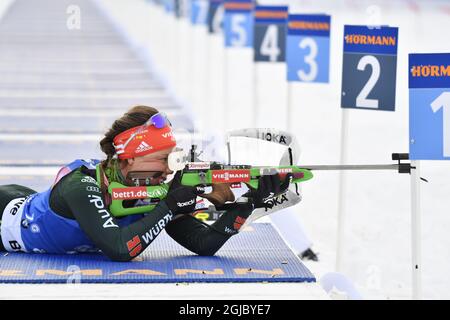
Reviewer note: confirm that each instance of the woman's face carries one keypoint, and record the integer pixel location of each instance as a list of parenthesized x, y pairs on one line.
[(156, 161)]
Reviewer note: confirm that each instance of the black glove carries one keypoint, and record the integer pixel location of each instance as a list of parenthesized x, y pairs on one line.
[(182, 199), (269, 186)]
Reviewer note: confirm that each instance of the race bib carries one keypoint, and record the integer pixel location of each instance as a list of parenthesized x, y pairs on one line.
[(11, 226)]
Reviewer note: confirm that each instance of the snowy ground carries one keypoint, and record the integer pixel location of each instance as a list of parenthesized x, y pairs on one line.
[(161, 291), (218, 87)]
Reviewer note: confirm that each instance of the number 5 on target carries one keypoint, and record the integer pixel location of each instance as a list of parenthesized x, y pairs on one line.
[(369, 68), (238, 23), (308, 48)]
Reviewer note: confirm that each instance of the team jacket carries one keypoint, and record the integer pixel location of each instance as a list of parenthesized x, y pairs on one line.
[(71, 217)]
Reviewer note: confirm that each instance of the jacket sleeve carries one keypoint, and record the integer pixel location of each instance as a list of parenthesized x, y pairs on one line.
[(119, 243)]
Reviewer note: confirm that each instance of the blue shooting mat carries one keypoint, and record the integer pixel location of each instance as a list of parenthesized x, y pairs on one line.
[(256, 254)]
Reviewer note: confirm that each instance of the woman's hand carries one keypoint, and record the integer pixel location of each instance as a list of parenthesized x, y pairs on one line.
[(182, 199), (220, 194), (269, 186)]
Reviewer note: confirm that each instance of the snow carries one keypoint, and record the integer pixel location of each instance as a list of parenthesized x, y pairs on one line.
[(161, 291)]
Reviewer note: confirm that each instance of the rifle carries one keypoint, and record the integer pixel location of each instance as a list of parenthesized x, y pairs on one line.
[(196, 173)]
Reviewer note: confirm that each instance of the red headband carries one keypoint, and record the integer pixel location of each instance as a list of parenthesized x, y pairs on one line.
[(149, 139)]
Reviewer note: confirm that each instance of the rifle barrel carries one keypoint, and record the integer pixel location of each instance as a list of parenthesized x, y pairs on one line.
[(352, 167)]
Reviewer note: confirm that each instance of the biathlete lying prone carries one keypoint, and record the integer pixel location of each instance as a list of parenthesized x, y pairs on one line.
[(73, 215)]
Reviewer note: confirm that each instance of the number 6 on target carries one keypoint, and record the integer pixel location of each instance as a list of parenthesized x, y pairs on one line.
[(308, 48)]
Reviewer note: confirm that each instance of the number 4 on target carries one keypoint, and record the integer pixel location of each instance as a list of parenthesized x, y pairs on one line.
[(270, 33)]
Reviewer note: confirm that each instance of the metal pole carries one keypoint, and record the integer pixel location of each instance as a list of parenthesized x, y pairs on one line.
[(255, 119), (289, 108), (18, 163), (226, 102), (416, 231), (341, 193)]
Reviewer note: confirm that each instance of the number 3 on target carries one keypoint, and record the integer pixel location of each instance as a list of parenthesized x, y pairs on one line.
[(308, 48), (309, 59)]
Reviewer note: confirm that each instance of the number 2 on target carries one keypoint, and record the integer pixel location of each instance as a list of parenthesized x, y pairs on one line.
[(361, 99)]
